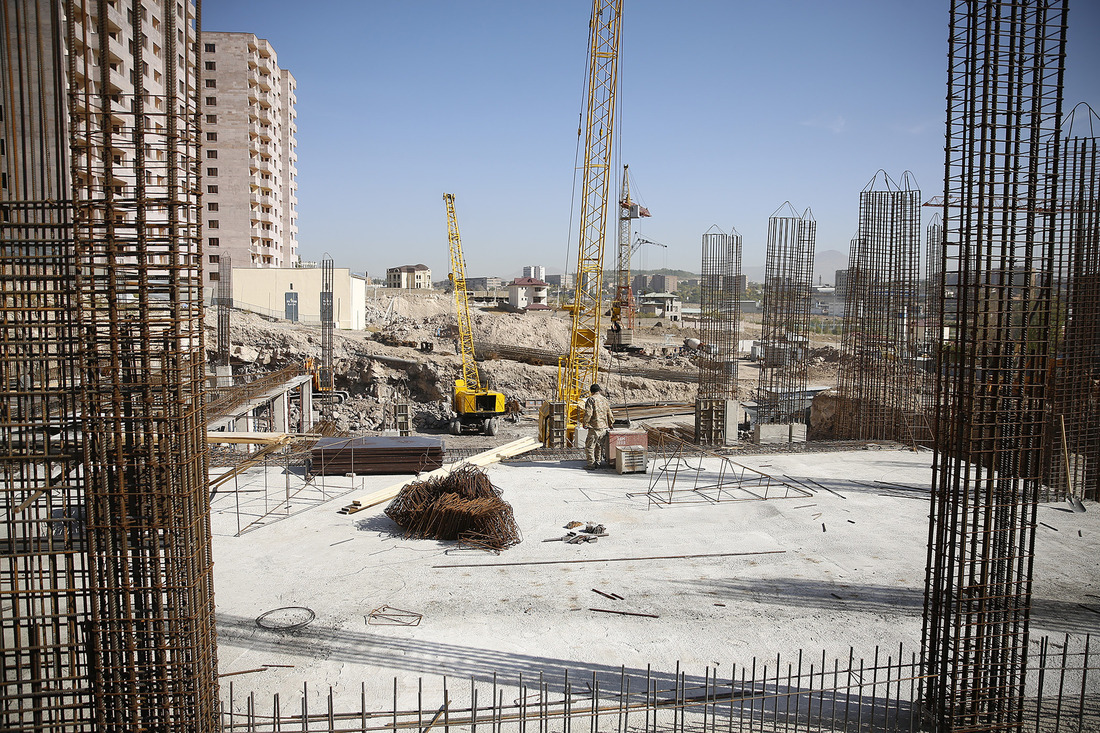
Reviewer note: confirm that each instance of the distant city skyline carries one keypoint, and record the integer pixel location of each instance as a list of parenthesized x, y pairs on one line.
[(727, 112)]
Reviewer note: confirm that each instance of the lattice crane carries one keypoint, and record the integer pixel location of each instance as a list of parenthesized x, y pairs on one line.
[(475, 407), (620, 336), (579, 370)]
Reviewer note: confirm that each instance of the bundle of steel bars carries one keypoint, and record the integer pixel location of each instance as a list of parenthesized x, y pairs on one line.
[(375, 455), (463, 505)]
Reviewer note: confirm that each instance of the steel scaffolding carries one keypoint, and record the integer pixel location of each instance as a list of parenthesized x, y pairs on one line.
[(1006, 62), (45, 680), (786, 316), (878, 387), (720, 296), (1075, 430)]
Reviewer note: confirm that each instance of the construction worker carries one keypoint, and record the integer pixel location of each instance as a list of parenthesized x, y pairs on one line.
[(598, 419)]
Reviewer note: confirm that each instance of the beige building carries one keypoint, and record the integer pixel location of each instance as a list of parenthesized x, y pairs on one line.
[(409, 277), (527, 292), (250, 173), (294, 293), (661, 305)]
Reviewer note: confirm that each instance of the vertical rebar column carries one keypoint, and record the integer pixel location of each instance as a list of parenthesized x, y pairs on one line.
[(720, 304), (135, 131), (326, 376), (44, 677), (225, 305), (932, 310), (877, 387), (1005, 69), (1075, 431), (786, 316)]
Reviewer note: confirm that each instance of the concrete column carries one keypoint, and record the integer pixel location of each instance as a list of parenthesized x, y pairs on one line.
[(305, 391), (280, 411)]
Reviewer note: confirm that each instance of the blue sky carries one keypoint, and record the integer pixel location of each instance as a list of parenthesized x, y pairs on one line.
[(728, 109)]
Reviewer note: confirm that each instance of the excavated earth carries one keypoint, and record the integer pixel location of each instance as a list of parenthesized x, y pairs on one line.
[(385, 362)]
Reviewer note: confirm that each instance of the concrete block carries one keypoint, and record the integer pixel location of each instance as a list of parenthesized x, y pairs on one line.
[(798, 432), (769, 434)]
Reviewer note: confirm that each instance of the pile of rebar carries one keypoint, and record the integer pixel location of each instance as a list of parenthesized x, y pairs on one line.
[(463, 505)]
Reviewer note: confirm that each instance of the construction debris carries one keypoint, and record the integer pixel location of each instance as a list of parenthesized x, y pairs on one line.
[(375, 455), (590, 533), (386, 616), (463, 505)]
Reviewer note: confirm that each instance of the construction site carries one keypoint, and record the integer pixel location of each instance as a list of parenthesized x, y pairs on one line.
[(881, 520)]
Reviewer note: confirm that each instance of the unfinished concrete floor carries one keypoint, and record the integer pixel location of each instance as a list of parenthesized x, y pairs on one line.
[(844, 567)]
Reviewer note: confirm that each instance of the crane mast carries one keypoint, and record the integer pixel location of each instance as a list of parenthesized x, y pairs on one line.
[(581, 368), (462, 302), (624, 294)]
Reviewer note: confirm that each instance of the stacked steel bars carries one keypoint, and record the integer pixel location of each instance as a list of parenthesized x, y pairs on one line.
[(375, 455), (463, 505)]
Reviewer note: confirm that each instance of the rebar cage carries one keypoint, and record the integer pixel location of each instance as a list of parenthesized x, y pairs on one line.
[(1005, 70)]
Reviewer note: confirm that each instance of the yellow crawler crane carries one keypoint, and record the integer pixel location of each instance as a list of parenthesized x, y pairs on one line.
[(578, 371), (475, 407)]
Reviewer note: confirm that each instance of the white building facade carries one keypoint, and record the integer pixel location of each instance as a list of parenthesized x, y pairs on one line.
[(528, 293)]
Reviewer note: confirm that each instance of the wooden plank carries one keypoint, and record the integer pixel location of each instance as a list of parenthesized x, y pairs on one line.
[(486, 458), (251, 438)]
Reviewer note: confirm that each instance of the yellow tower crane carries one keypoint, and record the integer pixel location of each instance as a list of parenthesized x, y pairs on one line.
[(475, 406), (557, 424)]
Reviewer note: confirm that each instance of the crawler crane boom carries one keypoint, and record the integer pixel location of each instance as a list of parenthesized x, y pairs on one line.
[(474, 406)]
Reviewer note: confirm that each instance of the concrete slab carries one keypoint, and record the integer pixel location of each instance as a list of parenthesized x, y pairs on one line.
[(843, 568)]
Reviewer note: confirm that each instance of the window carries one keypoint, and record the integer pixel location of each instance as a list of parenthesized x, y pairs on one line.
[(212, 224), (212, 137), (212, 119), (212, 172), (211, 83), (209, 47), (214, 275), (215, 259), (211, 65), (211, 189), (213, 241), (211, 154), (211, 101), (212, 206)]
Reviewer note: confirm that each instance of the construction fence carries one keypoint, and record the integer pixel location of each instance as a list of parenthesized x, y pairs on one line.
[(803, 693)]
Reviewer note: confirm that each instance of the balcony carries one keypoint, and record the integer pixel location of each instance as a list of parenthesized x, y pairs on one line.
[(258, 147), (260, 164)]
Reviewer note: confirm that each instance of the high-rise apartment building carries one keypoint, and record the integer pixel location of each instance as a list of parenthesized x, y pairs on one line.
[(250, 167), (538, 272)]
